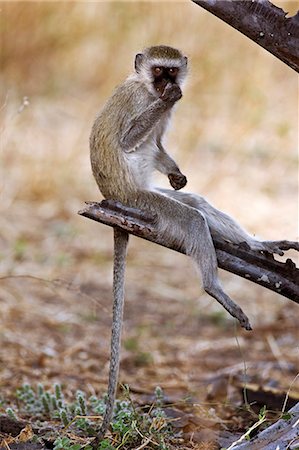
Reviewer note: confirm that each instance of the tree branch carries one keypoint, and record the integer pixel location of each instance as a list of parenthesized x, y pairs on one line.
[(263, 22), (262, 269)]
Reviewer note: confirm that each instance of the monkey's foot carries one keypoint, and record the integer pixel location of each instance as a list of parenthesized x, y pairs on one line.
[(270, 247), (279, 246), (230, 306), (237, 312), (177, 180)]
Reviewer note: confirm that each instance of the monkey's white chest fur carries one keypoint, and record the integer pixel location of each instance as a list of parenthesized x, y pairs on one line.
[(141, 164)]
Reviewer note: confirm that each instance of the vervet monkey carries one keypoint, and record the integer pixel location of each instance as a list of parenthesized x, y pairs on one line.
[(126, 147)]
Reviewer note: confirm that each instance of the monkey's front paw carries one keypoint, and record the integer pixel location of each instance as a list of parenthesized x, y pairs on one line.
[(172, 93), (177, 180)]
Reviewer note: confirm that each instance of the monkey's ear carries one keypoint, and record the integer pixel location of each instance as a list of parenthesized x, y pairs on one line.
[(138, 61)]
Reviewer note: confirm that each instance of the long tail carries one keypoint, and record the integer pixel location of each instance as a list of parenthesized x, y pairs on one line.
[(120, 251)]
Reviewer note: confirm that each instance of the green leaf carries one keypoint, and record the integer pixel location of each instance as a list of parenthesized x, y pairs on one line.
[(105, 445), (75, 447), (262, 413)]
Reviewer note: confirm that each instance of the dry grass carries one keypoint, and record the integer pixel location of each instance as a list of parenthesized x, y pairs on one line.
[(235, 136)]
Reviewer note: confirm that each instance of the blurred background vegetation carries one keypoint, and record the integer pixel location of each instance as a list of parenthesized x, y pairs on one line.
[(235, 136)]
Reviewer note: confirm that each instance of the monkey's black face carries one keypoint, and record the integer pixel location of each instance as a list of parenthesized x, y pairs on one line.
[(163, 76)]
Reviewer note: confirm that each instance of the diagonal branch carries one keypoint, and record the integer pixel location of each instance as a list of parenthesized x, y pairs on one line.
[(263, 22), (262, 269)]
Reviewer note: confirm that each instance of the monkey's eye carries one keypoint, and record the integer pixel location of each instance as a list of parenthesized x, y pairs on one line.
[(157, 70), (173, 71)]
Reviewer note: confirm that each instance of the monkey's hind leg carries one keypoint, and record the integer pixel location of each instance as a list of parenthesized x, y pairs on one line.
[(120, 251), (204, 255), (189, 227)]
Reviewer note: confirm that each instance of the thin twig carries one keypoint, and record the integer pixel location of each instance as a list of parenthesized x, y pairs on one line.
[(143, 445)]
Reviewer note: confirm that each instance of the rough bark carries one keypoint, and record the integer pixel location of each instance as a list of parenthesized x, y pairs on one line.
[(263, 22), (262, 269)]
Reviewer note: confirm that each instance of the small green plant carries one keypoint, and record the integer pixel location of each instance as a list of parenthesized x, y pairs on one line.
[(80, 396), (11, 413), (131, 425), (159, 396), (42, 403), (64, 443), (246, 435), (105, 445), (287, 416), (63, 417)]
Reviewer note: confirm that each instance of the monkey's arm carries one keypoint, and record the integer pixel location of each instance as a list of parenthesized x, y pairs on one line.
[(138, 127), (166, 165), (141, 125)]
